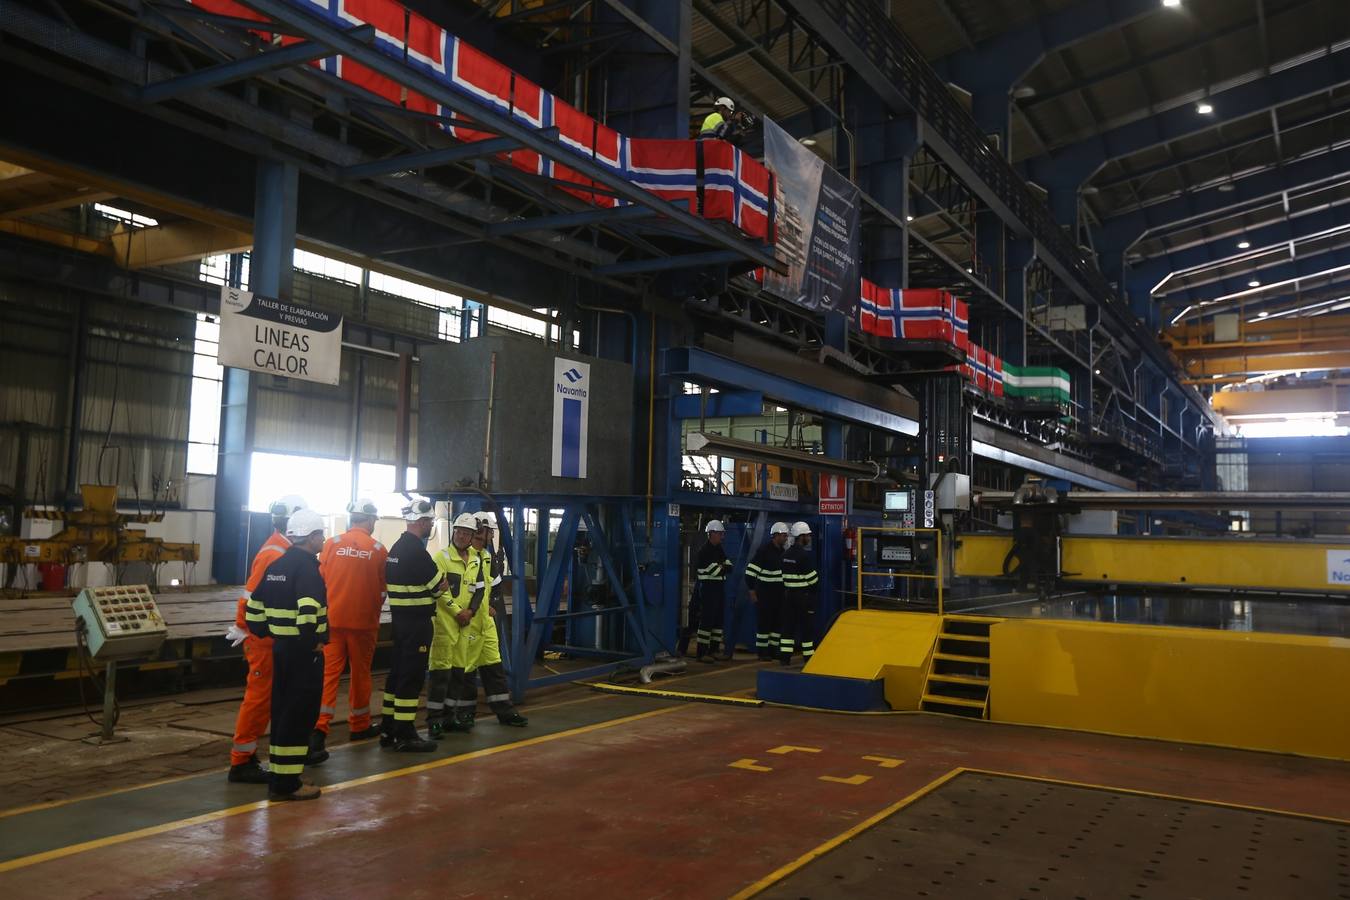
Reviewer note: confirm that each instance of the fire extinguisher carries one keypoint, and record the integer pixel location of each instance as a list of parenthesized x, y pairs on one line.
[(849, 534)]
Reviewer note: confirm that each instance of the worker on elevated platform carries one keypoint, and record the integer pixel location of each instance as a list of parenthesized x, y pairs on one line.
[(764, 581), (413, 582), (290, 607), (486, 640), (256, 709), (459, 633), (712, 567), (800, 595), (352, 565), (716, 124)]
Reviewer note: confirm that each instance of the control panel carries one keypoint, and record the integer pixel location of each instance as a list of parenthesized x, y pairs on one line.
[(120, 621), (911, 552), (900, 508)]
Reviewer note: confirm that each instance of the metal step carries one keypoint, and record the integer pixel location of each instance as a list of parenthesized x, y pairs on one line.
[(957, 657), (977, 680), (979, 620), (953, 701), (973, 638)]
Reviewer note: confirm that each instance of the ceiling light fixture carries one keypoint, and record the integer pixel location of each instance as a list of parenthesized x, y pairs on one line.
[(909, 218), (1171, 4), (807, 142), (1227, 187), (1262, 315), (1204, 108), (1243, 245), (1254, 283)]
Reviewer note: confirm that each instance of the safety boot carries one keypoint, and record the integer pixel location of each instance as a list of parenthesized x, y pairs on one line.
[(412, 742), (250, 772), (371, 732), (304, 792), (436, 729), (386, 731), (513, 719), (318, 754)]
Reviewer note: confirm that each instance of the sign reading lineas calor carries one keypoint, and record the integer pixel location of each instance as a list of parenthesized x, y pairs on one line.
[(571, 416), (262, 334)]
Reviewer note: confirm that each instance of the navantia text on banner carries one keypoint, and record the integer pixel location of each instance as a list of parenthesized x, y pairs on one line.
[(571, 416), (266, 335)]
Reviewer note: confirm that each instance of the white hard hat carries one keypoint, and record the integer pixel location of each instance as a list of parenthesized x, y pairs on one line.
[(287, 506), (727, 102), (303, 523), (800, 528), (779, 528), (363, 507), (581, 525), (419, 509), (714, 525), (487, 520), (467, 520)]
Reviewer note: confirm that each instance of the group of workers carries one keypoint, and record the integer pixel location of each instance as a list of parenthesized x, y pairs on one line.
[(312, 611), (781, 580)]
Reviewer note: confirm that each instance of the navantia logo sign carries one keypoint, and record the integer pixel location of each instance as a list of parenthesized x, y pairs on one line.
[(573, 375), (1338, 567)]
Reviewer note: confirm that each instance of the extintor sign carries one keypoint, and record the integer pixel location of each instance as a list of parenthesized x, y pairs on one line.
[(833, 495)]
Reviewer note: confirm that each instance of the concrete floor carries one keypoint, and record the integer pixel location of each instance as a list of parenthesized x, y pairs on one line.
[(615, 795)]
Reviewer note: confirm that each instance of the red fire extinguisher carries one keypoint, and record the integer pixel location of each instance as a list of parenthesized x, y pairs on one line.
[(849, 534)]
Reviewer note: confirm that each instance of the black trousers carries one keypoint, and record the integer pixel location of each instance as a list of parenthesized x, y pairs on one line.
[(297, 691), (710, 613), (438, 686), (797, 623), (407, 671), (767, 629)]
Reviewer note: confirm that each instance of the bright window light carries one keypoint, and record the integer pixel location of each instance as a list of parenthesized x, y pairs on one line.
[(122, 215), (1243, 245), (1204, 108), (204, 400), (324, 483), (327, 267), (1171, 4), (1293, 427)]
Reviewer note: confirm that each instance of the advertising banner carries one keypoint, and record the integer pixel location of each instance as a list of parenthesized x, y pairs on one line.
[(819, 222), (571, 416)]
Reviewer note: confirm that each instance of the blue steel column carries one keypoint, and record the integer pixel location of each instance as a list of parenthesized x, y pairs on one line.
[(829, 557), (271, 268), (647, 84), (886, 145)]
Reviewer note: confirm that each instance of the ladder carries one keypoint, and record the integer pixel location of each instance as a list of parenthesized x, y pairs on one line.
[(958, 671)]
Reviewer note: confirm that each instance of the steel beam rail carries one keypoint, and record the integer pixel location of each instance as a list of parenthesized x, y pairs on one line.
[(861, 32), (1146, 500), (318, 30)]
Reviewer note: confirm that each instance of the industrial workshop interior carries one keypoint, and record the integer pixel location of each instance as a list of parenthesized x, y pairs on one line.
[(675, 448)]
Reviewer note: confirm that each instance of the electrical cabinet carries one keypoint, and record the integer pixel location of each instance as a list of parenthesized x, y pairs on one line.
[(120, 621)]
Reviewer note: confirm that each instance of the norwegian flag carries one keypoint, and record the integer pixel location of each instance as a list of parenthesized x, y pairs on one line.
[(960, 313), (754, 185), (994, 365), (585, 137), (979, 358), (925, 315), (669, 169), (719, 180)]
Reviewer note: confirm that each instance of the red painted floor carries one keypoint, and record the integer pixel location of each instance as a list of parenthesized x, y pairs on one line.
[(650, 807)]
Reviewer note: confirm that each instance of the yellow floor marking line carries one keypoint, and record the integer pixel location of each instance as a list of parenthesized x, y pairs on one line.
[(885, 762), (788, 748), (749, 766), (852, 779), (784, 871), (633, 691), (112, 840), (1243, 807)]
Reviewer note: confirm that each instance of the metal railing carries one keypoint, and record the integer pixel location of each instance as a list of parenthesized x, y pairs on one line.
[(937, 575)]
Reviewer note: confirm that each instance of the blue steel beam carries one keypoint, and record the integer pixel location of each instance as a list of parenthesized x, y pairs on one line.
[(692, 364), (225, 73), (563, 221), (991, 68), (1117, 234), (1224, 249), (1069, 166), (670, 263), (1303, 267), (431, 158)]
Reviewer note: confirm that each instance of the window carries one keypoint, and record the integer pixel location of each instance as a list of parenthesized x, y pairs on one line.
[(216, 269), (325, 484), (327, 267), (513, 321), (135, 220), (204, 403)]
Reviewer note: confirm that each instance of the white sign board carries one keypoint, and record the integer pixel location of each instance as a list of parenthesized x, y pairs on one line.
[(780, 491), (571, 416), (1338, 567), (278, 337)]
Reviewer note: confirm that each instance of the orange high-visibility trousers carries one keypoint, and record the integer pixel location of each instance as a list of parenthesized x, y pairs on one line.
[(354, 647), (256, 710)]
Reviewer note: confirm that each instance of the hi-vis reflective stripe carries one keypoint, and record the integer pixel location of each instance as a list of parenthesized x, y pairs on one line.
[(414, 601), (245, 748), (326, 710), (283, 630), (275, 613), (278, 750), (498, 698), (285, 768), (363, 711)]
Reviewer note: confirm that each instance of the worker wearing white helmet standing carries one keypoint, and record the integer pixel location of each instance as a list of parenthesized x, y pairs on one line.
[(712, 567), (764, 580), (715, 124), (291, 607), (413, 582), (800, 595)]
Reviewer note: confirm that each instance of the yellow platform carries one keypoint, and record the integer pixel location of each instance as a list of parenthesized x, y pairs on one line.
[(871, 644)]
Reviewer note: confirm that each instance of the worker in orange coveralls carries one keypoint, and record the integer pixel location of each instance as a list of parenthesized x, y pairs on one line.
[(352, 565), (255, 712)]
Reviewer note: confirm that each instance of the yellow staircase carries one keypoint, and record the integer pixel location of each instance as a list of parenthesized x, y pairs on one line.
[(958, 671)]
